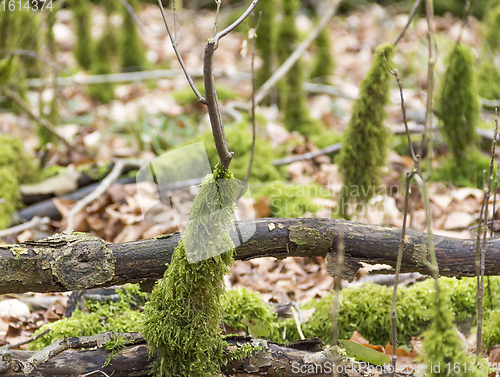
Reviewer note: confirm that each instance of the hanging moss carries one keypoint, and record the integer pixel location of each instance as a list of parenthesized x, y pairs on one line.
[(181, 322), (365, 147), (133, 55), (266, 40), (323, 61), (82, 13), (458, 104), (292, 96)]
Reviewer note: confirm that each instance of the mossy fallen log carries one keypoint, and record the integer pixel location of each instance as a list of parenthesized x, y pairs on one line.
[(245, 357), (70, 261)]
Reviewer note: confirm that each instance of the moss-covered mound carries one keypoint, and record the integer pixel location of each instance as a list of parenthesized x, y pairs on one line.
[(16, 167), (120, 316)]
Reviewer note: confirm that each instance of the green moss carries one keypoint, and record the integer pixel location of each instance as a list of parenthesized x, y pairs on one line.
[(367, 309), (323, 61), (242, 352), (442, 345), (458, 104), (266, 40), (488, 79), (133, 56), (114, 346), (242, 303), (182, 320), (239, 140), (492, 36), (326, 138), (186, 96), (82, 13), (291, 200), (117, 316), (467, 173), (293, 100), (104, 53), (9, 195), (491, 330), (365, 147)]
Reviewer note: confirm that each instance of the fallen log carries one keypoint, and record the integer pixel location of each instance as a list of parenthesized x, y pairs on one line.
[(303, 358), (71, 261)]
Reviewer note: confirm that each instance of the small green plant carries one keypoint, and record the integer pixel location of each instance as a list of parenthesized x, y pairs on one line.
[(292, 96), (133, 56), (114, 346), (488, 78), (458, 104), (365, 147), (82, 14)]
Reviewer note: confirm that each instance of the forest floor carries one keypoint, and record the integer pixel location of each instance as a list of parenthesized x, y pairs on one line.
[(120, 130)]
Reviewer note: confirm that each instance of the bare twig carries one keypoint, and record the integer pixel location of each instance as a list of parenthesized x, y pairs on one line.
[(35, 222), (101, 189), (216, 22), (254, 131), (27, 341), (292, 59), (297, 322), (480, 281), (492, 232), (429, 13), (236, 23), (56, 348), (134, 16), (42, 121), (337, 287), (410, 17), (212, 102), (179, 57)]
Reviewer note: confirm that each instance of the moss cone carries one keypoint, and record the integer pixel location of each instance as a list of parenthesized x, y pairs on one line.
[(458, 103), (365, 147)]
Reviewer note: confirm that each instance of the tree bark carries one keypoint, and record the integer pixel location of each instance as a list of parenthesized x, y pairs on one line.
[(71, 261), (268, 359)]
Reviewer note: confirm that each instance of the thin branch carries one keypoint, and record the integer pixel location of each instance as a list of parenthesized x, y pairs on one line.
[(176, 23), (236, 23), (492, 232), (429, 13), (410, 17), (35, 222), (213, 106), (297, 322), (56, 348), (254, 131), (42, 121), (480, 287), (216, 22), (133, 15), (27, 341), (101, 189), (179, 57), (337, 288), (292, 59)]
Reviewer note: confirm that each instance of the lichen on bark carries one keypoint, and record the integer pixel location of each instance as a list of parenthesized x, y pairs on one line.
[(181, 322)]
